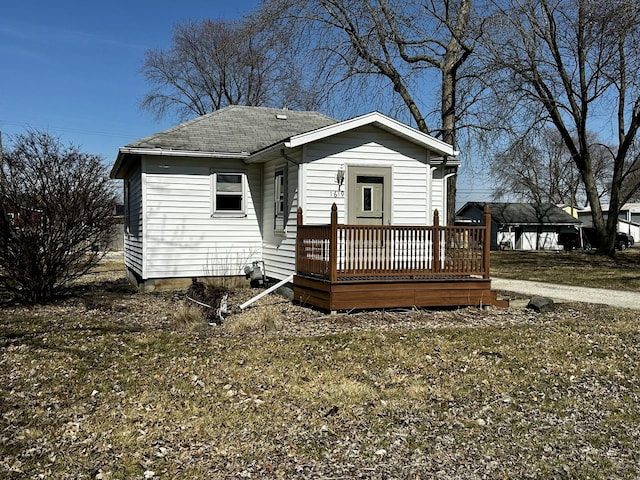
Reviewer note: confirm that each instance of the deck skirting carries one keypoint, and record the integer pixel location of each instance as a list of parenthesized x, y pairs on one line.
[(394, 293)]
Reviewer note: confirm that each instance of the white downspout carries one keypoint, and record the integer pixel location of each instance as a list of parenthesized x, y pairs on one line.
[(302, 177), (143, 207)]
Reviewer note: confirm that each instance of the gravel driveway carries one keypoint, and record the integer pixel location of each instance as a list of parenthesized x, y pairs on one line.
[(615, 298)]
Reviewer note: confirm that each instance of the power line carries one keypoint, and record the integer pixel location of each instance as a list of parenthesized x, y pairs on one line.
[(67, 129), (473, 190)]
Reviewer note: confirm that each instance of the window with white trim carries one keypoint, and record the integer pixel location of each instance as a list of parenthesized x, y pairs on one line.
[(127, 206), (229, 193), (280, 199)]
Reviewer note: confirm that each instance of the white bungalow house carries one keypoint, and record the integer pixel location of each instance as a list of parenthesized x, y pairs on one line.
[(212, 195)]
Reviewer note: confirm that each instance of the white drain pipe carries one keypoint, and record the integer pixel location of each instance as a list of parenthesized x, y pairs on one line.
[(266, 292)]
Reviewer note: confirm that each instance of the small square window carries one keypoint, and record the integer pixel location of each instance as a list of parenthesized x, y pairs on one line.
[(228, 193)]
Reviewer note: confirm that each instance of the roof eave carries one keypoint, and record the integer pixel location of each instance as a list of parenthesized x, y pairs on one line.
[(538, 224), (124, 151), (266, 153), (181, 153)]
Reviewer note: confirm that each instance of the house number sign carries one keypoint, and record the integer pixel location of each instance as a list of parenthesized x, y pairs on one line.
[(336, 193)]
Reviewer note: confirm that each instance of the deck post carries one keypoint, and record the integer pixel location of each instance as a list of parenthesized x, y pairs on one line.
[(299, 223), (333, 245), (486, 244), (436, 241), (299, 219)]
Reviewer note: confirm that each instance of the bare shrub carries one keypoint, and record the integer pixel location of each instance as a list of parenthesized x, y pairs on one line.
[(229, 282), (56, 216), (225, 268), (211, 298)]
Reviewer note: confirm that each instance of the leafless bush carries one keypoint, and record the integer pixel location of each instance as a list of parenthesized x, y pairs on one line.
[(225, 267), (56, 215), (211, 298)]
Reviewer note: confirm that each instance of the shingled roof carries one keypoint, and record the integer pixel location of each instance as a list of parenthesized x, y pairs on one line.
[(525, 213), (235, 129)]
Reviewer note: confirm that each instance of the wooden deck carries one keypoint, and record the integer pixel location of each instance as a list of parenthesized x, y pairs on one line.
[(344, 267)]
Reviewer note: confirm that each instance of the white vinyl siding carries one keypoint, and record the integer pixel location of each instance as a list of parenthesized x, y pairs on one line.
[(183, 239), (181, 235), (279, 247), (367, 147), (529, 238), (133, 237)]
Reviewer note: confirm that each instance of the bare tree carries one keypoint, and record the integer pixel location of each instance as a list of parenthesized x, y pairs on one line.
[(397, 43), (56, 215), (573, 64), (537, 167), (629, 190), (212, 64)]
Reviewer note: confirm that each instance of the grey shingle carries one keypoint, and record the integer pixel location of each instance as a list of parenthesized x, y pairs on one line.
[(235, 129)]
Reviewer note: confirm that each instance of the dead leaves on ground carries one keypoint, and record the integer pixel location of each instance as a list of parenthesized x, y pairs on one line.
[(109, 388)]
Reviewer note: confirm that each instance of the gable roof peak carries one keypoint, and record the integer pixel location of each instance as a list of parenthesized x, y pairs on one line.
[(379, 120)]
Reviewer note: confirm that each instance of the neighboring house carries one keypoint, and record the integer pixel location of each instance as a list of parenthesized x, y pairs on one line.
[(628, 219), (20, 216), (117, 231), (521, 226), (212, 195)]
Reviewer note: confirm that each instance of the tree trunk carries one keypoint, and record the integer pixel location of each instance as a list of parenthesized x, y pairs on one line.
[(605, 236), (448, 117)]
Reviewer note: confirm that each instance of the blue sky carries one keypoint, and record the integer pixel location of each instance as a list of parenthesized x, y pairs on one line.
[(72, 68)]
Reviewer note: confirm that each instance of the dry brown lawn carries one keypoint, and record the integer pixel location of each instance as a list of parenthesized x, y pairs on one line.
[(580, 268), (111, 383)]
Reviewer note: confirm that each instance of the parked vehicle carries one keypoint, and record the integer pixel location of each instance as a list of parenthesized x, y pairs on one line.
[(623, 240), (569, 239)]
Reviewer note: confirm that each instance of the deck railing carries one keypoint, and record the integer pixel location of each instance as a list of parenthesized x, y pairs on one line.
[(339, 252)]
